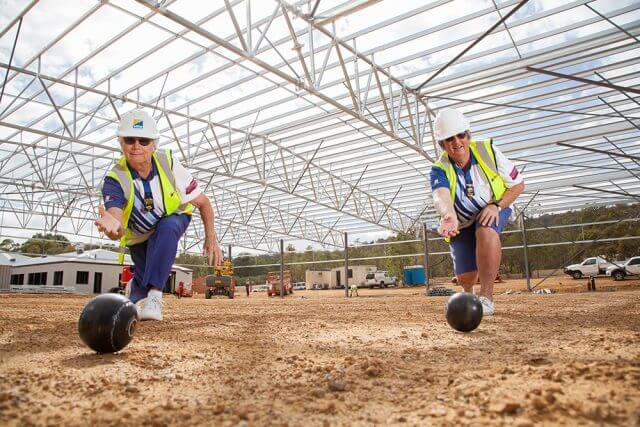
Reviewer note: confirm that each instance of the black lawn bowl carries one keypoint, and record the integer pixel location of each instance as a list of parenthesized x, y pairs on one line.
[(107, 323), (464, 312)]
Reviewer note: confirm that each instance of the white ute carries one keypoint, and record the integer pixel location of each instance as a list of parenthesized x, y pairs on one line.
[(629, 268), (593, 266), (380, 278)]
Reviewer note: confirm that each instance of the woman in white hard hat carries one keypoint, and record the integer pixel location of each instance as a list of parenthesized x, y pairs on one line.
[(148, 202), (473, 186)]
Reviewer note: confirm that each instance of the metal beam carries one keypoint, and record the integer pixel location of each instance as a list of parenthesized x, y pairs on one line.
[(595, 150), (229, 173), (18, 18), (584, 187), (468, 48), (347, 12), (583, 80), (293, 80), (613, 23), (291, 137), (13, 50)]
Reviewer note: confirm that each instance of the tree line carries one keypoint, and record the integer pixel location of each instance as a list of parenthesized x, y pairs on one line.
[(546, 237), (550, 246), (45, 244)]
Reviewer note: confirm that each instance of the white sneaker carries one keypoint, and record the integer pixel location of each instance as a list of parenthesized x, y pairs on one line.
[(152, 306), (139, 306), (127, 293), (127, 289), (487, 306)]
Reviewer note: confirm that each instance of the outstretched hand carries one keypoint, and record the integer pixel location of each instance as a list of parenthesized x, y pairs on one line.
[(109, 225), (212, 250), (448, 226)]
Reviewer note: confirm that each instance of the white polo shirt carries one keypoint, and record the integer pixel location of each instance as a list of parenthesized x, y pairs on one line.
[(141, 220), (468, 207)]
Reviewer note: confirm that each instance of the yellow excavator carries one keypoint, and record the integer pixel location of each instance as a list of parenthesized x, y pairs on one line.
[(221, 282)]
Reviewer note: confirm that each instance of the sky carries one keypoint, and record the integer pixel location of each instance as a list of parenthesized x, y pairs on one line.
[(49, 19)]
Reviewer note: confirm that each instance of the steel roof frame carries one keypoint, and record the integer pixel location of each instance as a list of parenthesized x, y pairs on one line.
[(306, 179)]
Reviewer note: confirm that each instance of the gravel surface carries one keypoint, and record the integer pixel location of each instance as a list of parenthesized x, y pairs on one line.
[(316, 358)]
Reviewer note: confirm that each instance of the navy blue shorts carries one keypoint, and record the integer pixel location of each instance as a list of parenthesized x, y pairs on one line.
[(154, 258), (463, 246)]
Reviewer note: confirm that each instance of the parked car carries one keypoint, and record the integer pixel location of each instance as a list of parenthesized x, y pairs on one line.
[(630, 268), (299, 286), (259, 288), (593, 266), (380, 278)]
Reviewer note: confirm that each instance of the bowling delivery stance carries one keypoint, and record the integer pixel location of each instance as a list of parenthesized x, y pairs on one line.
[(149, 198), (473, 186)]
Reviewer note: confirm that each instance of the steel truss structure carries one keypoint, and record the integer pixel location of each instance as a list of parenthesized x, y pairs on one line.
[(305, 120)]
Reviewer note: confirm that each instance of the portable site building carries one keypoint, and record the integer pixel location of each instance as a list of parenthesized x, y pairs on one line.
[(357, 274), (5, 277), (91, 272), (7, 261), (317, 279)]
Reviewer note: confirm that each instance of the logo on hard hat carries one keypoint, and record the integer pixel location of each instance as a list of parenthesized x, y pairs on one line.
[(138, 124)]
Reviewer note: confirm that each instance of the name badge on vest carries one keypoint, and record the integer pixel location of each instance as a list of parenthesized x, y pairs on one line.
[(148, 204), (148, 196), (470, 192)]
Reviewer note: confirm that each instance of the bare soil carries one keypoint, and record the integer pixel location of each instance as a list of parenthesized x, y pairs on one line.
[(387, 357)]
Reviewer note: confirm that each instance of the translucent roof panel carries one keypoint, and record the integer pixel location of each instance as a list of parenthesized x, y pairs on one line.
[(305, 127)]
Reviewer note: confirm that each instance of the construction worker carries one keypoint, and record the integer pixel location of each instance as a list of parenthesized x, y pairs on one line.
[(353, 289), (473, 186), (148, 202)]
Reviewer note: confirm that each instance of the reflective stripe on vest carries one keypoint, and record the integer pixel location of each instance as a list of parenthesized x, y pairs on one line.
[(483, 153), (170, 197)]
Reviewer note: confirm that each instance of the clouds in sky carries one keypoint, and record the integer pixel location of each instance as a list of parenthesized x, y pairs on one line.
[(234, 99)]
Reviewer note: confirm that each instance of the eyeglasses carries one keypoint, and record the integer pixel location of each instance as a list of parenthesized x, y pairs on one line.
[(461, 135), (130, 140)]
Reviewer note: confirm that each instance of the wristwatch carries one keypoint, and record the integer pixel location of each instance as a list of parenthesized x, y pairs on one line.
[(497, 203)]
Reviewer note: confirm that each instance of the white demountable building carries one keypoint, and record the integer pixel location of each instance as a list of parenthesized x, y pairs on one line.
[(317, 279), (357, 274), (7, 261), (83, 272), (334, 278)]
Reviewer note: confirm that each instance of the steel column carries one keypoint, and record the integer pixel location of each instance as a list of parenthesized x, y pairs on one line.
[(425, 236), (525, 250), (346, 266), (281, 268)]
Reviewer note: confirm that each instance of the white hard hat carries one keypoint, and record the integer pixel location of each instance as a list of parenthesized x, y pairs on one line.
[(449, 122), (138, 123)]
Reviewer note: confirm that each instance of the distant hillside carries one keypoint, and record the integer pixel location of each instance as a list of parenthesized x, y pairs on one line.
[(546, 257)]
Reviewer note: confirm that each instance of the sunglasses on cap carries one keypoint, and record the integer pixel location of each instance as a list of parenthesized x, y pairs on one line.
[(130, 140), (461, 135)]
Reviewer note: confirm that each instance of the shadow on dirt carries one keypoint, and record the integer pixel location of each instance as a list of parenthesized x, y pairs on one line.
[(91, 359)]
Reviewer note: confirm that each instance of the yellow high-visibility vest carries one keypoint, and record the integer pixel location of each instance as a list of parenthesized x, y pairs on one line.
[(486, 158), (170, 197)]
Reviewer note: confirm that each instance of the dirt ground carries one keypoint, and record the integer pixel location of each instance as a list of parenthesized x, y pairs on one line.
[(387, 357)]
